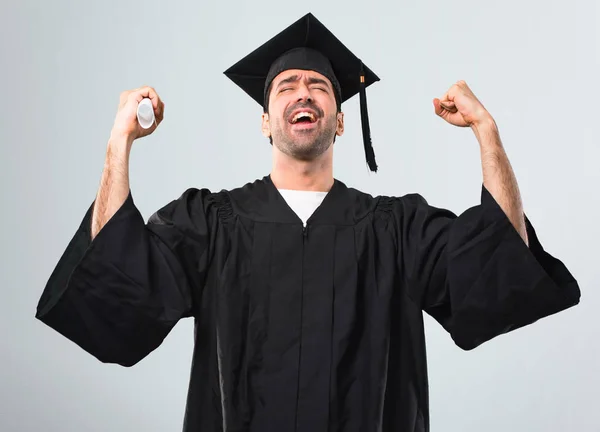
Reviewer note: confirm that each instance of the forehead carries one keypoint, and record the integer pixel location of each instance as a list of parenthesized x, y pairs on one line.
[(300, 74)]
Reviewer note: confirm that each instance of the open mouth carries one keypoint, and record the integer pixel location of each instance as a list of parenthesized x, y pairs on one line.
[(303, 117)]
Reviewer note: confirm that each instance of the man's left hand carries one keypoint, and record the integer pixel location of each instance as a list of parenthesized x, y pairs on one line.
[(460, 107)]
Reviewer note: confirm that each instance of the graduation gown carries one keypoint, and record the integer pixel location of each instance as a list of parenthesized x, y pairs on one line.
[(301, 329)]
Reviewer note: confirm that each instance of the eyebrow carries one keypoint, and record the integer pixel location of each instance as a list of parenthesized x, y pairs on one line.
[(311, 80)]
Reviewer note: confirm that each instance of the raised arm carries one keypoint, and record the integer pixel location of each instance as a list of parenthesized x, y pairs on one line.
[(498, 176), (114, 184), (122, 284), (460, 107), (484, 272)]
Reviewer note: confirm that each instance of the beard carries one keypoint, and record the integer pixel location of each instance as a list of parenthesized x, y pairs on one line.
[(307, 144)]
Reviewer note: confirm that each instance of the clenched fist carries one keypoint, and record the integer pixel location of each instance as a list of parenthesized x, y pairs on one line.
[(460, 107), (126, 124)]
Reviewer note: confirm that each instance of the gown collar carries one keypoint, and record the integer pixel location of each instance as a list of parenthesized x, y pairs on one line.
[(262, 202)]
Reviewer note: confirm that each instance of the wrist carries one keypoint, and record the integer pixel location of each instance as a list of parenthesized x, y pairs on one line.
[(119, 143), (485, 124), (118, 150), (486, 132)]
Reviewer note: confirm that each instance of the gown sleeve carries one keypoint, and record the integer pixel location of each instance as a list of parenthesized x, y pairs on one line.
[(474, 274), (118, 296)]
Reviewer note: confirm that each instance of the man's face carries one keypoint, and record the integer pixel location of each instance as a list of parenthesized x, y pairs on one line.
[(302, 117)]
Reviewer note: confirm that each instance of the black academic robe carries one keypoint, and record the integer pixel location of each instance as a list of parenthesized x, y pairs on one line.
[(309, 330)]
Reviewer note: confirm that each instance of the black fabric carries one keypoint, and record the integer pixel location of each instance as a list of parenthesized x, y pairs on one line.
[(317, 329), (251, 72), (366, 129)]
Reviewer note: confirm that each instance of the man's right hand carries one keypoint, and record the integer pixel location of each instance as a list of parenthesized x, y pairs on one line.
[(126, 125), (114, 184)]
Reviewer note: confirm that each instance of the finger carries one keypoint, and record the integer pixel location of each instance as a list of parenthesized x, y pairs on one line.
[(135, 97), (447, 101), (452, 92), (151, 93), (449, 106), (464, 89), (448, 98), (463, 85), (442, 108), (160, 112), (439, 108), (146, 92)]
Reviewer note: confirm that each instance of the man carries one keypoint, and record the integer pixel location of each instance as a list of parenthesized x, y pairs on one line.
[(307, 295)]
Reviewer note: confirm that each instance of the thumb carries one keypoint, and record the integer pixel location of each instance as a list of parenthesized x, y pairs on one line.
[(437, 107)]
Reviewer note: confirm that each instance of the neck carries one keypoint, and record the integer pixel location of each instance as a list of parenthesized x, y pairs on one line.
[(290, 173)]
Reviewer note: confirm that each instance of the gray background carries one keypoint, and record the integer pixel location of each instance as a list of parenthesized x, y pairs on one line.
[(534, 65)]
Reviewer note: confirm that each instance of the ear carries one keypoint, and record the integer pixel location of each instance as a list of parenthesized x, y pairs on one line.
[(266, 126), (340, 124)]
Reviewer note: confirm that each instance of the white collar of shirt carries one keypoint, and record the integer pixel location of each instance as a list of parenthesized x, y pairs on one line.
[(303, 203)]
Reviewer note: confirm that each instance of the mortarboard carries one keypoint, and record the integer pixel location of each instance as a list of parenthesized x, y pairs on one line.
[(307, 44)]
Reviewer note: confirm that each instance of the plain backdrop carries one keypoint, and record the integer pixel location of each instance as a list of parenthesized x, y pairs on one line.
[(534, 65)]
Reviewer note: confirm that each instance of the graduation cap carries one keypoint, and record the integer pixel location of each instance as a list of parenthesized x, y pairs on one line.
[(308, 45)]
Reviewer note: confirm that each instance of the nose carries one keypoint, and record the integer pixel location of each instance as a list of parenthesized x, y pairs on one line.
[(304, 94)]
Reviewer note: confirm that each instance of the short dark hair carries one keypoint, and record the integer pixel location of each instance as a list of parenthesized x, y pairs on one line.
[(267, 95)]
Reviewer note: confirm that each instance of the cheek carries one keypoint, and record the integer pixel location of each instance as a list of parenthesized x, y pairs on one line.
[(277, 111), (327, 104), (279, 120)]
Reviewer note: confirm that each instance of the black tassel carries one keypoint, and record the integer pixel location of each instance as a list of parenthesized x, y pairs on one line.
[(364, 116)]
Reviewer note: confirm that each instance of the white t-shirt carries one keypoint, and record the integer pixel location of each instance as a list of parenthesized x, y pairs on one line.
[(304, 203)]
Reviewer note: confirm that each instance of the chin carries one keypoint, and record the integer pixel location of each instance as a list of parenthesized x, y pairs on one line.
[(298, 149), (308, 150)]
